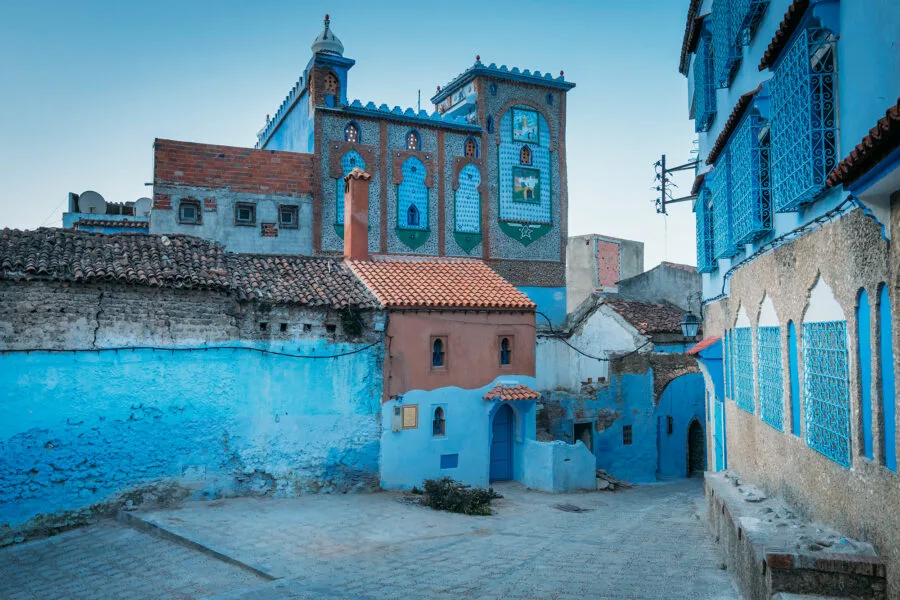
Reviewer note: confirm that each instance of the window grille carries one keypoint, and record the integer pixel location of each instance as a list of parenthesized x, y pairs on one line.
[(412, 141), (771, 382), (437, 353), (827, 389), (471, 148), (351, 133), (704, 88), (742, 366), (720, 190), (331, 83), (733, 24), (748, 154), (525, 155), (804, 119), (706, 263)]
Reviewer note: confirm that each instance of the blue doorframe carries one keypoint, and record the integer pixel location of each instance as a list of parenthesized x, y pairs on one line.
[(502, 444)]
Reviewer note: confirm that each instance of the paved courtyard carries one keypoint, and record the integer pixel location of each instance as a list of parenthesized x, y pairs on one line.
[(648, 542)]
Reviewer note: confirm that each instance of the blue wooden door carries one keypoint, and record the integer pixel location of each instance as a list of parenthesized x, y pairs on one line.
[(502, 445)]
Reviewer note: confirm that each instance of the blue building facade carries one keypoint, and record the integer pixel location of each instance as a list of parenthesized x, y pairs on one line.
[(795, 105)]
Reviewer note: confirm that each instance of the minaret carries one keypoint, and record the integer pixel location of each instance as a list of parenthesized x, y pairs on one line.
[(328, 72)]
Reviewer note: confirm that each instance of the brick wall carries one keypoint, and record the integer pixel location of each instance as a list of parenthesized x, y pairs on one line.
[(240, 169)]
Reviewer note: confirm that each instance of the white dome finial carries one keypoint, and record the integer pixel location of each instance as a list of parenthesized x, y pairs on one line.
[(326, 42)]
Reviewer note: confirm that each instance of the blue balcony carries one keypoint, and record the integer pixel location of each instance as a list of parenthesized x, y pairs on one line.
[(704, 87), (720, 191), (706, 262), (750, 200), (804, 120), (733, 24)]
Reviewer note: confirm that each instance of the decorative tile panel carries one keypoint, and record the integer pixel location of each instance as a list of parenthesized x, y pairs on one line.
[(706, 262), (749, 163), (826, 389), (412, 194), (468, 200), (514, 205), (742, 366), (771, 382), (349, 161), (804, 119)]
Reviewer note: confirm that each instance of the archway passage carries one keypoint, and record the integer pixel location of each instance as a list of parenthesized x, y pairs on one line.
[(502, 444), (696, 449)]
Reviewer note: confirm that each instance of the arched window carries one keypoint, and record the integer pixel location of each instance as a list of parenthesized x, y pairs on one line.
[(886, 365), (549, 98), (412, 140), (864, 357), (412, 216), (351, 133), (331, 84), (525, 155), (505, 351), (471, 148), (438, 424), (490, 124), (437, 353)]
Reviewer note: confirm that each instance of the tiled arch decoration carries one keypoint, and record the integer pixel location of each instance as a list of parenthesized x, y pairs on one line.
[(339, 166), (469, 188), (413, 188)]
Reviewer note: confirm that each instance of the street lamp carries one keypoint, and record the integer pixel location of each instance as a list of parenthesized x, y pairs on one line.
[(689, 325)]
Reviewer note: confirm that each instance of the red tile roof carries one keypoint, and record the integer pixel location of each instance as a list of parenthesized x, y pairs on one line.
[(881, 140), (731, 124), (689, 268), (177, 261), (789, 23), (647, 317), (511, 393), (122, 224), (687, 41), (442, 283), (702, 345)]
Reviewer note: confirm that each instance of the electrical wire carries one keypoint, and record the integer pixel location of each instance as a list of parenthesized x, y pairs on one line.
[(191, 349), (561, 338)]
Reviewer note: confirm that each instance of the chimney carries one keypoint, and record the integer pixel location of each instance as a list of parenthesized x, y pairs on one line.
[(356, 215)]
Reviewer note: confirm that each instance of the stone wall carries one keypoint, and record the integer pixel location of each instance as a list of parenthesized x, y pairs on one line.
[(83, 431), (848, 254)]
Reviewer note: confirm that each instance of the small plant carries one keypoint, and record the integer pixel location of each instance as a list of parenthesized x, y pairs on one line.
[(453, 496), (416, 491)]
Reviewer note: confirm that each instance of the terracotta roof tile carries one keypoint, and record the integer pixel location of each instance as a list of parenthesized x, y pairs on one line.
[(122, 224), (731, 124), (648, 317), (178, 261), (881, 140), (789, 23), (441, 283), (511, 393), (702, 345)]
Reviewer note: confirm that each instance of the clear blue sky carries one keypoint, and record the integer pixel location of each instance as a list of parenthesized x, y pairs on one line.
[(88, 85)]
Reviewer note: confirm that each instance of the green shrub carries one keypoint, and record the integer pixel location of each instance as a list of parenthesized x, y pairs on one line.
[(453, 496)]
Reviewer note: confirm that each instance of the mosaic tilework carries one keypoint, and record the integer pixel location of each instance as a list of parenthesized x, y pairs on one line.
[(468, 201), (743, 368), (458, 243), (350, 161), (412, 193), (771, 382), (333, 130), (547, 247), (826, 389), (418, 241)]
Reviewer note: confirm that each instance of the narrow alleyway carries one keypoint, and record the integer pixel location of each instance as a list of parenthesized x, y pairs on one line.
[(648, 542)]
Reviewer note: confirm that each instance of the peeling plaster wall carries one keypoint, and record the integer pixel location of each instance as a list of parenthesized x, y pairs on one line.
[(81, 432), (849, 253)]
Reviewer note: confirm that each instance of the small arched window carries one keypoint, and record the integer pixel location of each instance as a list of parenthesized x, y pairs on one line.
[(412, 216), (549, 98), (490, 124), (351, 133), (505, 351), (331, 83), (437, 353), (471, 148), (525, 155), (412, 140), (439, 423)]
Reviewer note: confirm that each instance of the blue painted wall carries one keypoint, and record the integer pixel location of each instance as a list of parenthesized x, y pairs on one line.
[(77, 429), (410, 456), (795, 378), (550, 300), (864, 335), (711, 359), (888, 395), (69, 219), (295, 133), (683, 400)]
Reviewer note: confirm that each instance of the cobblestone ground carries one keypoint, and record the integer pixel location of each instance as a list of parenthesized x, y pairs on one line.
[(111, 560), (648, 542)]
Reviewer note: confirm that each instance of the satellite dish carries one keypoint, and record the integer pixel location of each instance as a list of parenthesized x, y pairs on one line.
[(142, 207), (91, 202)]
